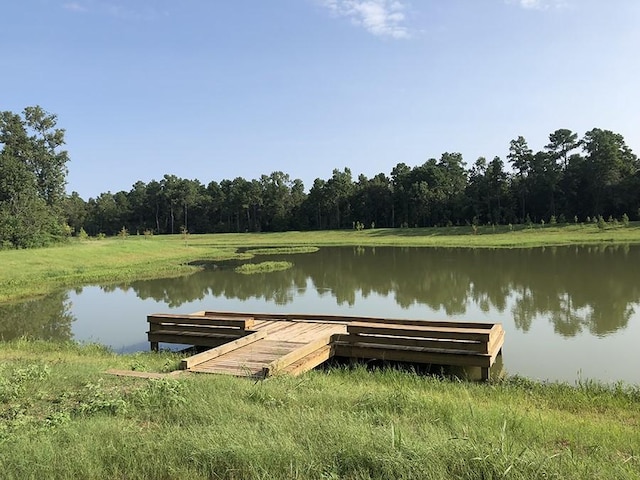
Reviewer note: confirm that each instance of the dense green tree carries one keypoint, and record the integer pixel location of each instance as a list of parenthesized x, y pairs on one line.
[(477, 191), (561, 143), (453, 181), (543, 184), (75, 211), (339, 190), (316, 207), (401, 187), (213, 202), (32, 178), (608, 162), (372, 201), (276, 201), (520, 156), (141, 210), (103, 216), (425, 194), (154, 199)]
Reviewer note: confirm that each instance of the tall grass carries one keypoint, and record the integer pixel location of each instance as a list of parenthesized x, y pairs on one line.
[(63, 418)]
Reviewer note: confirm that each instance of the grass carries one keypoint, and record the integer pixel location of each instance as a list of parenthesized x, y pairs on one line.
[(28, 273), (281, 250), (262, 267), (63, 418), (500, 236)]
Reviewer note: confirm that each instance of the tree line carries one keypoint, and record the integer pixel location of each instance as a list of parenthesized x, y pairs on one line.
[(570, 179)]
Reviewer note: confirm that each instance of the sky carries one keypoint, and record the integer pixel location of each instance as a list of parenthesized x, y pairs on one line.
[(219, 89)]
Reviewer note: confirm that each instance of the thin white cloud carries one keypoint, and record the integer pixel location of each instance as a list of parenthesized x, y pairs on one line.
[(539, 4), (75, 7), (384, 18)]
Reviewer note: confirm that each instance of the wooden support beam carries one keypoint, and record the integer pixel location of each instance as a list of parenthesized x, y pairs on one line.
[(148, 375), (464, 346), (450, 332), (372, 351), (496, 342), (197, 340), (243, 322), (196, 330)]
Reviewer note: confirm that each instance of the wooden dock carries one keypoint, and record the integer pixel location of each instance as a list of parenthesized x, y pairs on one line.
[(260, 345)]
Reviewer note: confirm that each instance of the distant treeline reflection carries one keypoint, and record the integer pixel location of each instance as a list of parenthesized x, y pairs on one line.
[(590, 288), (47, 318)]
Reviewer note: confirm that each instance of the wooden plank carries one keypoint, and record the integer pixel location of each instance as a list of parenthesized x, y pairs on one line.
[(419, 331), (305, 317), (244, 322), (197, 329), (496, 345), (444, 344), (411, 356), (137, 374), (496, 329), (206, 341), (310, 361), (295, 355), (299, 332), (187, 363), (236, 371), (191, 331), (274, 328)]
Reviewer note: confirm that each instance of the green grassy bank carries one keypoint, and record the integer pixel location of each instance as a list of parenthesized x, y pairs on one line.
[(61, 417), (27, 273)]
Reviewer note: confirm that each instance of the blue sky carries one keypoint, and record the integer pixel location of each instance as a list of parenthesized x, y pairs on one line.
[(215, 89)]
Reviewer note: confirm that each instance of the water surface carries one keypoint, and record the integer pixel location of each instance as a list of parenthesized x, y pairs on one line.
[(569, 312)]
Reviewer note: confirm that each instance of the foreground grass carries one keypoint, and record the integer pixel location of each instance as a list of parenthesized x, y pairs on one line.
[(63, 418), (28, 273)]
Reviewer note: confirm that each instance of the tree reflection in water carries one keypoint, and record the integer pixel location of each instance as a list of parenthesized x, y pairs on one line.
[(47, 318), (578, 289), (591, 288)]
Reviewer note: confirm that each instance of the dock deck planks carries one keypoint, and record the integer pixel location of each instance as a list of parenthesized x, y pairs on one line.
[(295, 343)]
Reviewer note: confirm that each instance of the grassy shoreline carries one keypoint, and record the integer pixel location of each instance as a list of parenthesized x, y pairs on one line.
[(62, 417), (29, 273)]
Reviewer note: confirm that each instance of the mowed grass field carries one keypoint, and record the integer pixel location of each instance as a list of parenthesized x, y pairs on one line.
[(28, 273)]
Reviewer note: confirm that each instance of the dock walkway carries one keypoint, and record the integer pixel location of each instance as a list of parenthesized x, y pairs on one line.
[(261, 345)]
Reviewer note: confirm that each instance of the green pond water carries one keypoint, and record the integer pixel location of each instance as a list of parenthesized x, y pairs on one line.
[(570, 313)]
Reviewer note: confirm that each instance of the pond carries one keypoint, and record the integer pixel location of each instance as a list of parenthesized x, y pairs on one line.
[(570, 313)]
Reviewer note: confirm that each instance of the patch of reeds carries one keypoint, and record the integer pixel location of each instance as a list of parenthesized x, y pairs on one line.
[(262, 267)]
